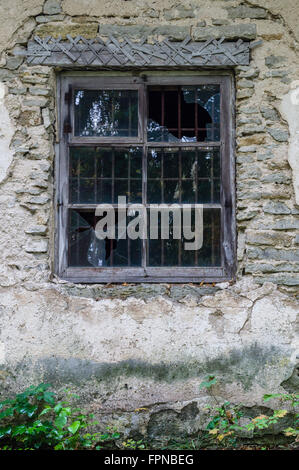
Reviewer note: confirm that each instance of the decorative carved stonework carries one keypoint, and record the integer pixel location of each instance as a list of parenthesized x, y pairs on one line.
[(96, 52)]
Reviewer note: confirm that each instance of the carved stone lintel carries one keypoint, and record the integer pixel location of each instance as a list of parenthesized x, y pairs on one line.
[(126, 53)]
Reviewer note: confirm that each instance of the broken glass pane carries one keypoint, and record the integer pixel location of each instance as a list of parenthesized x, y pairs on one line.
[(184, 114), (86, 250)]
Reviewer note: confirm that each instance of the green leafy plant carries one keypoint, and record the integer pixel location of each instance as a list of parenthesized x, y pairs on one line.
[(263, 422), (35, 419), (224, 425), (134, 445), (226, 418)]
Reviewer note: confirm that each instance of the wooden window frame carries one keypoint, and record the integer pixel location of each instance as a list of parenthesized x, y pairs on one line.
[(68, 81)]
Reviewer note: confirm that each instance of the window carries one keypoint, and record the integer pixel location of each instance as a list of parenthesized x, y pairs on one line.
[(153, 140)]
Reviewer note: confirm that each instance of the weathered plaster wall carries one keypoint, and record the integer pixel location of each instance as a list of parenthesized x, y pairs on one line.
[(124, 347), (6, 134), (289, 109)]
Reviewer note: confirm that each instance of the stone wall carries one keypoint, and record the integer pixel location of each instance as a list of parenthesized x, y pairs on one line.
[(126, 347)]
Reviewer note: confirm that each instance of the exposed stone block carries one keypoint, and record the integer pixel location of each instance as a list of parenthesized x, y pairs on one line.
[(249, 110), (282, 224), (274, 61), (245, 12), (245, 93), (268, 238), (246, 215), (269, 113), (39, 200), (254, 195), (6, 75), (37, 230), (175, 33), (278, 134), (249, 171), (279, 178), (48, 19), (39, 91), (52, 7), (35, 102), (245, 83), (18, 91), (248, 72), (40, 246), (241, 159), (13, 62), (276, 208), (271, 267), (281, 279), (247, 148), (220, 21), (88, 30), (248, 120), (251, 130), (272, 253), (251, 140), (235, 31)]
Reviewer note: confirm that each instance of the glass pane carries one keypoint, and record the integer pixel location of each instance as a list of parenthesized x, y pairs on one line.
[(189, 163), (171, 190), (121, 160), (104, 190), (204, 189), (135, 191), (106, 113), (154, 191), (86, 250), (173, 252), (186, 175), (171, 168), (188, 191), (154, 164), (103, 174), (184, 114)]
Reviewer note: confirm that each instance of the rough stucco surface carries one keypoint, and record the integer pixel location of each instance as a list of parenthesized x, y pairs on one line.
[(290, 110), (288, 10), (126, 347), (6, 133), (14, 15)]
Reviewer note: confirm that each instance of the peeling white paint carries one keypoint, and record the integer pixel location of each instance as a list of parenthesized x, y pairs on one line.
[(6, 133), (289, 109)]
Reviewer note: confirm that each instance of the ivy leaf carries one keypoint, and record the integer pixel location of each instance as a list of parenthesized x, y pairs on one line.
[(49, 397), (45, 410), (208, 382), (5, 431), (61, 420), (73, 428)]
